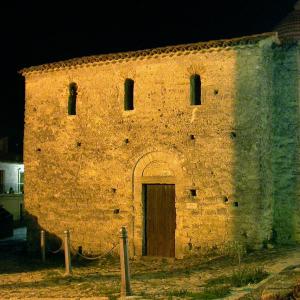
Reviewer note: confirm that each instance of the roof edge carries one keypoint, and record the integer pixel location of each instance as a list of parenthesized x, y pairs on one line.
[(148, 53)]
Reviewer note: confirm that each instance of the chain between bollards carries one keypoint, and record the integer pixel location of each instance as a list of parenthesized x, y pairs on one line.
[(124, 260), (67, 252)]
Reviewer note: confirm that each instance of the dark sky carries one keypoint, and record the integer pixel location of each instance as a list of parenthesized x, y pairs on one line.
[(36, 32)]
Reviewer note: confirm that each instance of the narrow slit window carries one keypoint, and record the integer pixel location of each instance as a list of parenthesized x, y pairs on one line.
[(195, 89), (128, 96), (72, 98)]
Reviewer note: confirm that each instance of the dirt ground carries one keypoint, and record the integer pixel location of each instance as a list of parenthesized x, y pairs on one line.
[(24, 277)]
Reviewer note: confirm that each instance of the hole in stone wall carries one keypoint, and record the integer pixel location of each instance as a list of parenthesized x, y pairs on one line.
[(232, 134), (116, 211), (34, 109), (113, 190), (78, 144), (225, 199), (126, 141), (38, 149), (193, 192), (192, 137), (236, 204), (216, 92)]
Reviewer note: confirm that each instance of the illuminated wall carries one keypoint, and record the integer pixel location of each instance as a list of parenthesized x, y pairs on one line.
[(84, 172)]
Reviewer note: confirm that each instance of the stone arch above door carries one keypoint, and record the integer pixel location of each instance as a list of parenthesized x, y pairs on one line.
[(153, 167), (168, 162), (158, 168)]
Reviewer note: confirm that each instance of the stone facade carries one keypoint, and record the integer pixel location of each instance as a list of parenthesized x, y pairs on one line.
[(238, 151)]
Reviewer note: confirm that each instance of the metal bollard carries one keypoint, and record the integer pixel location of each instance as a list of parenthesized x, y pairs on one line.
[(67, 253), (43, 246), (124, 260)]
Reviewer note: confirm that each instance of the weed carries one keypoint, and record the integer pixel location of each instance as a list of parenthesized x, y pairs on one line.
[(215, 292), (218, 280), (241, 276), (235, 250), (246, 275), (207, 294), (179, 293)]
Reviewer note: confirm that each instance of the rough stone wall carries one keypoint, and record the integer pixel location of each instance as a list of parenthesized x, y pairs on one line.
[(81, 169), (285, 143)]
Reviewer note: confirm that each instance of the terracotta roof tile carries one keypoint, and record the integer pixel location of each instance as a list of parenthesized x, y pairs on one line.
[(148, 53)]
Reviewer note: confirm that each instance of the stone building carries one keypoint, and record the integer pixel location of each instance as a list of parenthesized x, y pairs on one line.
[(189, 146)]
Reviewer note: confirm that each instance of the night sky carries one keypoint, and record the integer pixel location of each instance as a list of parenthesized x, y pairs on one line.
[(37, 32)]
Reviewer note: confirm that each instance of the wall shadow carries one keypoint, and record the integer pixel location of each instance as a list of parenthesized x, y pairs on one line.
[(26, 256), (285, 144), (266, 163)]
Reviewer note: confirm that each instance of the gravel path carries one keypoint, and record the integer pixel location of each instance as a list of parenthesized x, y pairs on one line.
[(22, 277)]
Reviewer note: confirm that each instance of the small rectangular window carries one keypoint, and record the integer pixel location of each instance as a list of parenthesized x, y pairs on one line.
[(195, 89), (128, 94)]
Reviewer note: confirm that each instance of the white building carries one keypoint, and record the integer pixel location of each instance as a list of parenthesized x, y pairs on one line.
[(11, 177), (11, 188)]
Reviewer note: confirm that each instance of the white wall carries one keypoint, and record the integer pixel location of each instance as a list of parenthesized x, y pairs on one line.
[(12, 175)]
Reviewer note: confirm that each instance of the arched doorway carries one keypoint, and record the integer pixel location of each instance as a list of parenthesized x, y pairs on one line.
[(155, 186)]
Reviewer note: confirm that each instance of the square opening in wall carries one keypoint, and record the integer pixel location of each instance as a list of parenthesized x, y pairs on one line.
[(193, 192)]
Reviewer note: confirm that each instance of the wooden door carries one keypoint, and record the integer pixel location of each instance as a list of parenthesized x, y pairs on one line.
[(160, 220)]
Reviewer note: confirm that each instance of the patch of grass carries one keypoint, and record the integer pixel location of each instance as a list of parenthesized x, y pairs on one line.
[(180, 293), (218, 280), (215, 292), (241, 277), (246, 275), (210, 293)]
